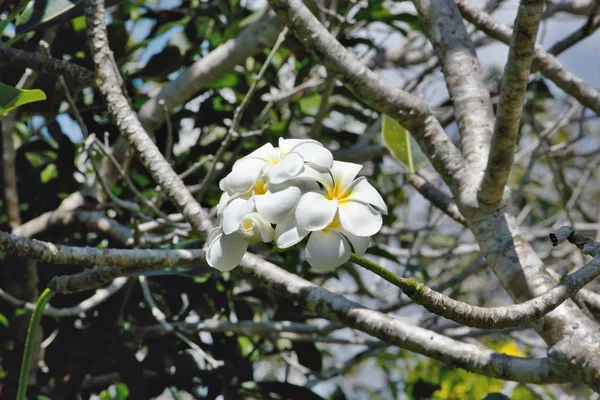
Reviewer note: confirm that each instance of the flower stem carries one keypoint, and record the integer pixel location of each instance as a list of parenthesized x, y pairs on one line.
[(407, 285), (34, 324)]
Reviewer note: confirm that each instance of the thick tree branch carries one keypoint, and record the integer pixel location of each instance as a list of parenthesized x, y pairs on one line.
[(322, 302), (88, 256), (411, 111), (10, 56), (462, 72), (130, 126), (510, 104), (489, 317), (214, 65), (542, 61)]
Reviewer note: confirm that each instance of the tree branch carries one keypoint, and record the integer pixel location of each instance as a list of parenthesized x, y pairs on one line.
[(130, 126), (449, 351), (462, 72), (542, 61), (488, 317), (100, 296), (10, 56), (217, 63), (438, 198), (87, 256), (411, 111), (510, 104)]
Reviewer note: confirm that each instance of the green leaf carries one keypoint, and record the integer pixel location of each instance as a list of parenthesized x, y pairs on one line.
[(310, 105), (48, 173), (11, 97), (3, 320), (397, 139)]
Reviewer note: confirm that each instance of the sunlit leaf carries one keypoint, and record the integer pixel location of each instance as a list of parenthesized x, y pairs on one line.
[(397, 139), (11, 97)]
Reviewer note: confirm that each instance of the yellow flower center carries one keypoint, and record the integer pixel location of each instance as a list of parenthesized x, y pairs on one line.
[(334, 224), (260, 188), (336, 192)]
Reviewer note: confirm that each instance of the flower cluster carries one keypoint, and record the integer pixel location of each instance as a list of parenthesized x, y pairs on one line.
[(282, 195)]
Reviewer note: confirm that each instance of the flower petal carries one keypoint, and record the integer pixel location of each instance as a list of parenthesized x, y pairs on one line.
[(266, 152), (326, 251), (286, 146), (226, 251), (275, 206), (237, 209), (290, 167), (244, 174), (315, 212), (289, 233), (363, 191), (255, 228), (359, 219), (344, 173), (359, 244), (225, 197), (312, 175), (315, 154)]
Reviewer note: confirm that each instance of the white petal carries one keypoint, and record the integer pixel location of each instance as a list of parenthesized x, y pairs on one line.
[(359, 219), (344, 173), (286, 146), (213, 235), (326, 251), (289, 233), (225, 197), (266, 152), (255, 228), (314, 153), (237, 209), (226, 251), (363, 191), (275, 206), (315, 212), (312, 175), (359, 244), (243, 175), (290, 167)]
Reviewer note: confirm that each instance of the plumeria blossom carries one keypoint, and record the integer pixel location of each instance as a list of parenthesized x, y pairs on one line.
[(326, 249), (225, 251), (355, 202), (276, 164), (286, 194), (339, 216)]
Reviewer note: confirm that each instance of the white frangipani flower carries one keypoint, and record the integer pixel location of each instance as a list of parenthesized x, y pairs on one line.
[(273, 202), (356, 203), (277, 164), (225, 251), (286, 194), (326, 249)]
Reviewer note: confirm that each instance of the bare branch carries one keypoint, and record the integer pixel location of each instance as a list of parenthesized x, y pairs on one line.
[(488, 317), (100, 296), (46, 65), (462, 72), (411, 111), (217, 63), (86, 256), (452, 352), (542, 61), (510, 104), (129, 125), (438, 198)]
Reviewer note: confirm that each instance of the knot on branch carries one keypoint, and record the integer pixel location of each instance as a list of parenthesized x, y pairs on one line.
[(584, 243)]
